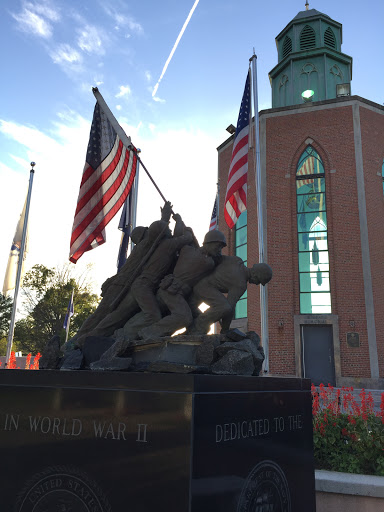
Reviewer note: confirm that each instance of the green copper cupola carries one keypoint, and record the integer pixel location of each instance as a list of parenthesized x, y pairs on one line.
[(311, 66)]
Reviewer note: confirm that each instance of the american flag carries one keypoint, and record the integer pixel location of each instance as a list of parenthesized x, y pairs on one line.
[(236, 196), (306, 169), (213, 224), (108, 174)]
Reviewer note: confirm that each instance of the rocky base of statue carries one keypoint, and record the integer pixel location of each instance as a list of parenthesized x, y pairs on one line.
[(233, 353)]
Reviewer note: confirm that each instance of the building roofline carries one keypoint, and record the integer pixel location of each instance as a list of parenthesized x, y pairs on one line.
[(311, 106), (314, 104), (299, 21)]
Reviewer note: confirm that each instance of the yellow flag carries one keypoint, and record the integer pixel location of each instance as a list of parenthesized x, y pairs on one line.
[(13, 261)]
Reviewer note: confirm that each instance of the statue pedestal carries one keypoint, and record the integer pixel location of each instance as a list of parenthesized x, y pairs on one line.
[(107, 441)]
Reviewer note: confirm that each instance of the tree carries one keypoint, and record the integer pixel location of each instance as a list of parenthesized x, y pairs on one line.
[(46, 293), (5, 314), (5, 317)]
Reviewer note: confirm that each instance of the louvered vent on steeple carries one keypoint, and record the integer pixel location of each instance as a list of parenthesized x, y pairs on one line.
[(307, 38), (287, 46), (329, 38)]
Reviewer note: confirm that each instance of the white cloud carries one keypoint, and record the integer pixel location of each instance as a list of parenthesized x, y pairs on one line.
[(123, 20), (159, 100), (34, 18), (118, 107), (148, 76), (65, 54), (30, 22), (91, 40), (152, 127), (46, 9), (125, 90)]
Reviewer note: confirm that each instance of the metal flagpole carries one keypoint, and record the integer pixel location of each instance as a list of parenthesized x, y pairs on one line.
[(134, 192), (19, 267), (69, 317), (260, 229)]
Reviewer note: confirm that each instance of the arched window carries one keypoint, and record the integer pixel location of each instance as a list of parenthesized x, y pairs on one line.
[(315, 294), (307, 38), (241, 251), (329, 38), (287, 46)]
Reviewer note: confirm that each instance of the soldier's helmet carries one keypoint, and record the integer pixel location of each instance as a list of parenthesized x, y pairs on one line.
[(215, 236), (138, 234)]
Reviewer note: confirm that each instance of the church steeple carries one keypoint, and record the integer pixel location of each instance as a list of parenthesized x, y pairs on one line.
[(309, 59)]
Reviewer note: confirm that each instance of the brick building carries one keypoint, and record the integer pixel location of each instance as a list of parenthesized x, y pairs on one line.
[(322, 172)]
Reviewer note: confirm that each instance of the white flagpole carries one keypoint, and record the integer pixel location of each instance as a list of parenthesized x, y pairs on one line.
[(260, 228), (19, 267)]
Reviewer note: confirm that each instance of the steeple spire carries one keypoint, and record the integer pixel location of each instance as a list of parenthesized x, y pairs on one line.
[(306, 5)]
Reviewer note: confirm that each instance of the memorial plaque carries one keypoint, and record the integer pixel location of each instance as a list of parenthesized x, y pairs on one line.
[(353, 339), (107, 442)]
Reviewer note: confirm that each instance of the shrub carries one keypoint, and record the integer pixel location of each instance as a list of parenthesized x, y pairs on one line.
[(348, 436)]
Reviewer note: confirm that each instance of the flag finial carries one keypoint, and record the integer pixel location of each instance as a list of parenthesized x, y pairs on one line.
[(306, 5)]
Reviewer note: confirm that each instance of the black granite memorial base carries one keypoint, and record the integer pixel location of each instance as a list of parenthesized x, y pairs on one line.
[(108, 442)]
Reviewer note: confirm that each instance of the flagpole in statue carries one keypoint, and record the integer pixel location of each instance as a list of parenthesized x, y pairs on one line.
[(19, 267), (134, 192), (260, 226)]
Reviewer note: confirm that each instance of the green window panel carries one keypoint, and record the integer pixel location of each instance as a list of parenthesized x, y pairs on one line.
[(308, 264), (314, 281), (241, 309), (309, 163), (242, 220), (241, 236), (308, 203), (310, 185), (307, 239), (315, 303), (241, 252), (382, 174), (312, 222)]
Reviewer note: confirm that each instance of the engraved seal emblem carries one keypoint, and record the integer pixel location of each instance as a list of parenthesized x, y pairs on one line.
[(265, 490), (62, 489)]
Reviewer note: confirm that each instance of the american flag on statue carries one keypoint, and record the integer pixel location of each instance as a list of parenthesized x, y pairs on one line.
[(236, 196), (108, 174), (213, 224)]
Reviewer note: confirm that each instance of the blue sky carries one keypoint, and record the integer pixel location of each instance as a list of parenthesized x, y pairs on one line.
[(53, 52)]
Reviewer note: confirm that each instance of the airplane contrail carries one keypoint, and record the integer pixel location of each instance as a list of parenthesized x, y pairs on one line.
[(175, 46)]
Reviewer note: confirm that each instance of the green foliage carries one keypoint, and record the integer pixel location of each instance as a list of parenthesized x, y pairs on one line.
[(5, 314), (3, 346), (46, 294), (348, 436)]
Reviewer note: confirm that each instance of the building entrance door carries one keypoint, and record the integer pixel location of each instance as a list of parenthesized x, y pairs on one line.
[(317, 354)]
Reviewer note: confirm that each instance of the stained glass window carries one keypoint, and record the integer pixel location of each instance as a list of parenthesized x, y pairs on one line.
[(312, 232)]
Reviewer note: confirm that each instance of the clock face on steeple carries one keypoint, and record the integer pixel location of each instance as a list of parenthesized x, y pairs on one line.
[(309, 59)]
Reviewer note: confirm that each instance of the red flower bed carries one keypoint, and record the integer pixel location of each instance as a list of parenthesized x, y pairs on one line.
[(28, 365), (348, 434)]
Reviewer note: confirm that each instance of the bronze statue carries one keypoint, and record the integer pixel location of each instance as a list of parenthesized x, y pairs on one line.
[(231, 276), (192, 265)]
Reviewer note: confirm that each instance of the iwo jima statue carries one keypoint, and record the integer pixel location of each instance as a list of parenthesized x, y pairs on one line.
[(158, 292)]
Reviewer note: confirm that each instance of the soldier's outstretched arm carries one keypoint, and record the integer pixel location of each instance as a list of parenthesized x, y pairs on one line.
[(166, 211)]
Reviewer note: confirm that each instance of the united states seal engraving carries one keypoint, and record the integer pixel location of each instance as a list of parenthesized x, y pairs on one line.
[(265, 490), (61, 489)]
